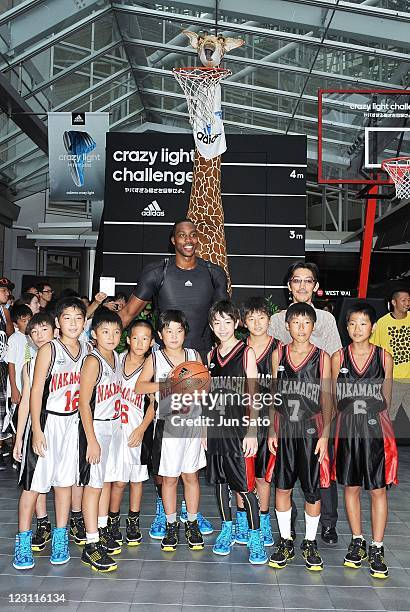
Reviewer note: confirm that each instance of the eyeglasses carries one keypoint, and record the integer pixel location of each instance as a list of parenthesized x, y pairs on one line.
[(299, 281)]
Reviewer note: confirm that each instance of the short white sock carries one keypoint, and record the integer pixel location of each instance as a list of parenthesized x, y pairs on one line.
[(92, 537), (311, 524), (377, 544), (284, 523), (192, 516), (171, 518), (356, 537), (102, 521)]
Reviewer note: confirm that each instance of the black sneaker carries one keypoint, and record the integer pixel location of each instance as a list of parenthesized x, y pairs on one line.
[(133, 534), (114, 527), (42, 536), (329, 535), (193, 535), (356, 553), (96, 556), (285, 551), (312, 556), (170, 540), (111, 546), (77, 530), (378, 568)]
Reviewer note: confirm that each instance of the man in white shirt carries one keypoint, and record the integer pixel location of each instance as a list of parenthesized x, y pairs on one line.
[(303, 282), (17, 351)]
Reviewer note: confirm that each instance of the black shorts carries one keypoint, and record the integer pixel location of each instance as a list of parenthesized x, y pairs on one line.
[(360, 455), (295, 458), (236, 471)]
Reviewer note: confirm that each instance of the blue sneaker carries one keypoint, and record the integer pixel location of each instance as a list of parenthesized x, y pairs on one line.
[(23, 555), (266, 530), (225, 540), (158, 527), (257, 554), (241, 527), (205, 526), (60, 552)]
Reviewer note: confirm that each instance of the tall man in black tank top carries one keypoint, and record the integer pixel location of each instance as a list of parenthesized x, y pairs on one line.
[(186, 283)]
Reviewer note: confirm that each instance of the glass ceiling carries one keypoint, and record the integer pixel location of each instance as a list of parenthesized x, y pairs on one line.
[(117, 56)]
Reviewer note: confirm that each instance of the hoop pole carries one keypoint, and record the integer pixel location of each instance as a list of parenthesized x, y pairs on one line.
[(367, 243)]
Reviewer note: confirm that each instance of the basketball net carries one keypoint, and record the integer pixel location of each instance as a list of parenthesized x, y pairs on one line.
[(202, 90), (398, 168)]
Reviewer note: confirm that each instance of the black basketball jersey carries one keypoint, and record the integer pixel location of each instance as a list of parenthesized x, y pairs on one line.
[(299, 386), (228, 384), (360, 391), (264, 363)]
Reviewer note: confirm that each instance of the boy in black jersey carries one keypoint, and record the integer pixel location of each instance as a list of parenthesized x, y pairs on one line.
[(365, 447), (232, 440), (255, 317), (300, 429)]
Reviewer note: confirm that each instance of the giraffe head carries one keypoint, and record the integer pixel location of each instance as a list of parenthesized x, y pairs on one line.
[(211, 49)]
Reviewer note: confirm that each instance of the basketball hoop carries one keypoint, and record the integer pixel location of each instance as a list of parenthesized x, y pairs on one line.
[(398, 168), (199, 86)]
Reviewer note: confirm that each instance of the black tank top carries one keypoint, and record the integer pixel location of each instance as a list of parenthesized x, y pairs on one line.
[(360, 391), (229, 383), (264, 363), (299, 385)]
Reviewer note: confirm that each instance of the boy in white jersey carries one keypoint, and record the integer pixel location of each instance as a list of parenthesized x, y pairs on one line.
[(173, 455), (41, 330), (137, 414), (100, 436), (54, 428)]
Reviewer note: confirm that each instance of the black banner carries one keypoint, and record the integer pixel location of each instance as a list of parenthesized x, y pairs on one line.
[(148, 185)]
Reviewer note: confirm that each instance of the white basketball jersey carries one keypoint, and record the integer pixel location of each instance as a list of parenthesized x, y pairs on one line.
[(162, 367), (106, 398), (62, 388), (132, 403)]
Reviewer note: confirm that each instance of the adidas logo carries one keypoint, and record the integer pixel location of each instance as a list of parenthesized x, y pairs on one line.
[(152, 210), (79, 119)]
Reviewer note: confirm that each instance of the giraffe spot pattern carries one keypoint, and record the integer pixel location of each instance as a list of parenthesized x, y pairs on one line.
[(400, 343)]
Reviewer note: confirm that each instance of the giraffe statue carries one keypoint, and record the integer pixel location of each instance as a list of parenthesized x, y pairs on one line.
[(205, 205), (206, 211)]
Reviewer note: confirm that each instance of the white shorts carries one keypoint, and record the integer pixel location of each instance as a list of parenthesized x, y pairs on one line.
[(59, 466), (172, 456), (126, 467), (109, 437)]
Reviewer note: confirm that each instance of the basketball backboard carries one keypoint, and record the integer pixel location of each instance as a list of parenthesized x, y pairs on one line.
[(357, 130)]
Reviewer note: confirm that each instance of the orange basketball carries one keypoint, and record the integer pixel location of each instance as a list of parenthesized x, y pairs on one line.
[(190, 376)]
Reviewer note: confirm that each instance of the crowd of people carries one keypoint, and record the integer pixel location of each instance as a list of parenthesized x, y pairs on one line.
[(86, 420)]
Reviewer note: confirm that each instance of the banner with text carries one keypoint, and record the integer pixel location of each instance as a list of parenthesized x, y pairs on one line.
[(76, 144)]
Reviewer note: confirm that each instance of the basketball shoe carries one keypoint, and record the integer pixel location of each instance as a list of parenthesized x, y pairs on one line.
[(356, 553), (23, 555), (42, 535)]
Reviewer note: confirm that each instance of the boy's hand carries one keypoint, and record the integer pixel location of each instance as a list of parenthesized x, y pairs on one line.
[(273, 444), (17, 450), (93, 455), (39, 443), (15, 396), (100, 297), (250, 446), (135, 438), (321, 449)]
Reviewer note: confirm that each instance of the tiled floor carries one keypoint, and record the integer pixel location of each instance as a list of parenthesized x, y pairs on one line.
[(149, 580)]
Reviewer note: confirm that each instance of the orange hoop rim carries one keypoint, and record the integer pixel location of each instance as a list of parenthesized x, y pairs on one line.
[(405, 160), (201, 72)]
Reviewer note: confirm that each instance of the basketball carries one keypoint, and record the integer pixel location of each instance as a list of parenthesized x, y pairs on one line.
[(189, 376)]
